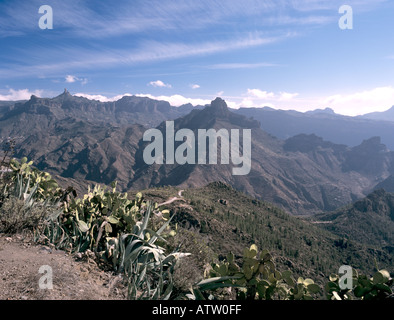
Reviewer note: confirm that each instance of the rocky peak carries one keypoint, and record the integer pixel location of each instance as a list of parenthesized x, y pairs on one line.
[(33, 98), (66, 95), (218, 107), (372, 145)]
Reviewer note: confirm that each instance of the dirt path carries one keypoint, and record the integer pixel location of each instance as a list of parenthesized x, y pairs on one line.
[(171, 200), (20, 263)]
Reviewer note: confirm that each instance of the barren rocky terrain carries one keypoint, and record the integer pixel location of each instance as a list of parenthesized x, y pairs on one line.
[(72, 278)]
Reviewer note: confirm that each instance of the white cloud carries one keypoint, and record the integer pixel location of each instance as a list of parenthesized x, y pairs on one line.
[(352, 104), (194, 86), (257, 98), (249, 102), (174, 100), (100, 97), (177, 100), (261, 94), (358, 103), (160, 84), (22, 94), (71, 79), (286, 96), (270, 96)]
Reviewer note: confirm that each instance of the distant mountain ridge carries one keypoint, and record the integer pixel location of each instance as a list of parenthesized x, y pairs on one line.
[(387, 115), (125, 111), (333, 127), (84, 139)]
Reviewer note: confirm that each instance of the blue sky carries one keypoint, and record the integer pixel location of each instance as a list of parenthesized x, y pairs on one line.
[(286, 54)]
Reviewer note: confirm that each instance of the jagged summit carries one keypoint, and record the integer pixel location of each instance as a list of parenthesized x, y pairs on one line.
[(65, 93), (219, 103), (372, 145), (215, 114), (218, 107)]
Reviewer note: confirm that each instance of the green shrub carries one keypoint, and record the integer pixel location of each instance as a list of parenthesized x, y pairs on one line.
[(256, 278), (15, 216)]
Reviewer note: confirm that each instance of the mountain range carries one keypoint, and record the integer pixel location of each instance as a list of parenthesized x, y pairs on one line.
[(325, 123), (88, 140)]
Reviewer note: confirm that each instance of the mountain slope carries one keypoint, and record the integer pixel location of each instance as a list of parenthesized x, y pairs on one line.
[(387, 115), (228, 220), (70, 147), (303, 174), (368, 221), (387, 184)]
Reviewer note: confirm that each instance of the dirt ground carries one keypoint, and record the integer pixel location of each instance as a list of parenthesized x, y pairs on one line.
[(72, 278)]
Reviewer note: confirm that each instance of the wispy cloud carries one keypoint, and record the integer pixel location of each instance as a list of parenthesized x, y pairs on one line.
[(76, 20), (104, 19), (241, 65), (194, 86), (77, 58)]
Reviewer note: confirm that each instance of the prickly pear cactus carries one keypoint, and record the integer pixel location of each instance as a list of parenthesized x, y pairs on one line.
[(255, 278)]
